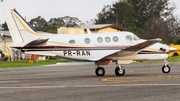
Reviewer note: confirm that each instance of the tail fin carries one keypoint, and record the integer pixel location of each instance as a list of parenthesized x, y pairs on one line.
[(18, 27)]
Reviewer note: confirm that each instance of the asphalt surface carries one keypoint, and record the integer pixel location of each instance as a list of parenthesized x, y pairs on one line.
[(142, 82)]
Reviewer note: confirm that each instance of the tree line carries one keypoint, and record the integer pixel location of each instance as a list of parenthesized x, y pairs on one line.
[(51, 26), (146, 18), (40, 24)]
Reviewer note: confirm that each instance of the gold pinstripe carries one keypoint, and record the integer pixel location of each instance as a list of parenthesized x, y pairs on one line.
[(66, 44), (152, 49), (27, 28)]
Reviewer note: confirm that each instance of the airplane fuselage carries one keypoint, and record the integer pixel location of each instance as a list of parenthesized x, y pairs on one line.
[(92, 47)]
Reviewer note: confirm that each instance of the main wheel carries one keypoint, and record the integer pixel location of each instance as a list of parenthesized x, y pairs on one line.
[(166, 69), (119, 72), (100, 71)]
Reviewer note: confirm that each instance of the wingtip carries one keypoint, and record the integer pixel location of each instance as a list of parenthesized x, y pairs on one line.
[(157, 39)]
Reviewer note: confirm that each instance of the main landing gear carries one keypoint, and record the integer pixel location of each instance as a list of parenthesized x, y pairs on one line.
[(166, 68), (119, 71), (100, 71)]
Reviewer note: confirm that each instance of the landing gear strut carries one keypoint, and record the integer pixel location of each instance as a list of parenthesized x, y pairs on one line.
[(166, 68), (120, 71)]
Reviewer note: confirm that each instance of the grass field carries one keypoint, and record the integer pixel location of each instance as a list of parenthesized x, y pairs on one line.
[(25, 63), (170, 59)]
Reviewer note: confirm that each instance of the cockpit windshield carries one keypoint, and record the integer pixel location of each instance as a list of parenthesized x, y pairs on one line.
[(136, 37)]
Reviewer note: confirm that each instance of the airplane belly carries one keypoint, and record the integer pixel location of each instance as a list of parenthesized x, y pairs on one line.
[(86, 55), (141, 57), (89, 55)]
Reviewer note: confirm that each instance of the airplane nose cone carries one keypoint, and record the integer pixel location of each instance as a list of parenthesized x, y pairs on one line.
[(172, 49)]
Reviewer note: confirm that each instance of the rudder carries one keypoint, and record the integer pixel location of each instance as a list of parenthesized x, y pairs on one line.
[(18, 27)]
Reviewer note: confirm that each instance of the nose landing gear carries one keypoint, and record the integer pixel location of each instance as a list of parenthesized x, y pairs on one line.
[(166, 68)]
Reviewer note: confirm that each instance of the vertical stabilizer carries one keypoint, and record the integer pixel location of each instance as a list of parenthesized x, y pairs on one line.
[(14, 31), (18, 27)]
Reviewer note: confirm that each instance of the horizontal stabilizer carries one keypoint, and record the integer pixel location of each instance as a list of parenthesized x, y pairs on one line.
[(37, 42), (30, 44)]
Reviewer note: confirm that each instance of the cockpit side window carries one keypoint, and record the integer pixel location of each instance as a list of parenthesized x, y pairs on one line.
[(135, 38), (129, 38)]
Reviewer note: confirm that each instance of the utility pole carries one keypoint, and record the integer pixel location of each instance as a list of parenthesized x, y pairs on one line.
[(3, 39), (117, 19)]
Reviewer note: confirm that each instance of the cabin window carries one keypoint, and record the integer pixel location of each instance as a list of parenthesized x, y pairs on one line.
[(129, 38), (100, 39), (115, 39), (107, 39), (72, 41), (87, 40)]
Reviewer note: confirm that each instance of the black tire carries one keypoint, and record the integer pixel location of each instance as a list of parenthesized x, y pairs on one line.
[(166, 69), (100, 71), (118, 72), (175, 54)]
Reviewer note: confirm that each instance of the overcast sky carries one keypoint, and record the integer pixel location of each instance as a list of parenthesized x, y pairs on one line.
[(83, 9)]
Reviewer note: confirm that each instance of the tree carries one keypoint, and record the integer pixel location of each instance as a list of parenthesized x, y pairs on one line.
[(147, 9), (120, 13), (151, 9), (106, 16), (124, 13), (71, 21), (38, 23), (53, 24), (178, 42)]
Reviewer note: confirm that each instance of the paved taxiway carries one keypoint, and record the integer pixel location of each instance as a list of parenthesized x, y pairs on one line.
[(142, 82)]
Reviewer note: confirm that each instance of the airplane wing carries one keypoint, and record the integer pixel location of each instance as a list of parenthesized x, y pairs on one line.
[(136, 48), (142, 45)]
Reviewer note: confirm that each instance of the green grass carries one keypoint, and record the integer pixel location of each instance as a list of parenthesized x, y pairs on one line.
[(25, 63), (170, 59)]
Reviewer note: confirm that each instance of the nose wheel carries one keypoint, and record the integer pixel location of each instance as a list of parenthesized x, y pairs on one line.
[(166, 68), (120, 71)]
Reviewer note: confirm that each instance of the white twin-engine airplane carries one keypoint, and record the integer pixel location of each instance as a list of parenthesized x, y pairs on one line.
[(101, 48)]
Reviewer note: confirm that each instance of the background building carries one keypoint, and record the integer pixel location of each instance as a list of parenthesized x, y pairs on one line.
[(93, 28), (5, 40), (67, 30), (103, 28)]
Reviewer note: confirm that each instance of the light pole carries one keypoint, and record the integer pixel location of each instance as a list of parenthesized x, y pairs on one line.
[(3, 39)]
